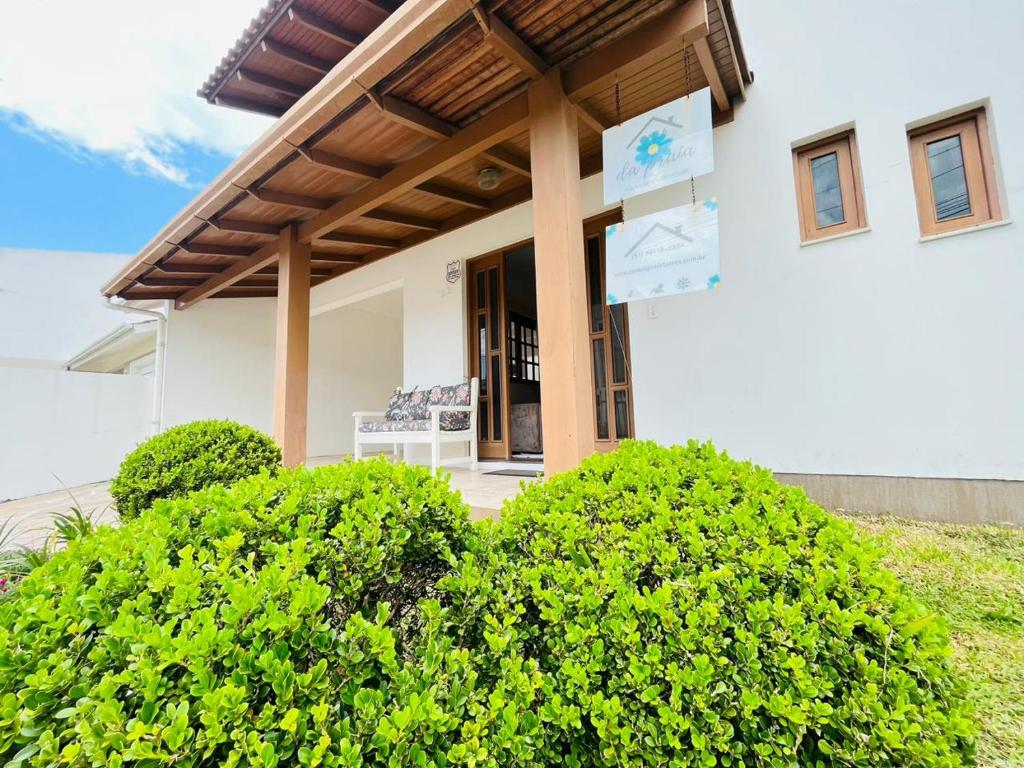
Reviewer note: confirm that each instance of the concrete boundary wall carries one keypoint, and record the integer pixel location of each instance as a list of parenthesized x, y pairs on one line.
[(66, 427)]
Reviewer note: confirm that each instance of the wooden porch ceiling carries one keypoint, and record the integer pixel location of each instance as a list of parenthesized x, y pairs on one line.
[(397, 162)]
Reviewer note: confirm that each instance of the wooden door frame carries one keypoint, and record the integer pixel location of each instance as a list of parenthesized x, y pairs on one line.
[(489, 450), (591, 226), (594, 227)]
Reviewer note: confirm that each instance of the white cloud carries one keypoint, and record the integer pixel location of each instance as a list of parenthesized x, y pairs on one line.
[(119, 77)]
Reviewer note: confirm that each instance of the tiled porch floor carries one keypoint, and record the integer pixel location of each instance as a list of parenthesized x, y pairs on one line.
[(31, 516)]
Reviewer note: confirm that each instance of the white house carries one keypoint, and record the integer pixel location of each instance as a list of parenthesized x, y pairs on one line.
[(866, 337)]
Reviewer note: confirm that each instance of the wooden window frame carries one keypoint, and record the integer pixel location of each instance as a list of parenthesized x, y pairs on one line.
[(851, 186), (979, 170)]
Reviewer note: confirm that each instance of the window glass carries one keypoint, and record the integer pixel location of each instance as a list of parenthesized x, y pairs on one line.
[(617, 313), (600, 390), (596, 295), (949, 181), (621, 415), (828, 194), (496, 400)]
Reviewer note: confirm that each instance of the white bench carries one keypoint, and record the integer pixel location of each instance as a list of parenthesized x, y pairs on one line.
[(397, 432)]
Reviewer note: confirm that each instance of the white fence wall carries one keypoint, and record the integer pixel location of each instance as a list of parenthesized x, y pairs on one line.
[(66, 427)]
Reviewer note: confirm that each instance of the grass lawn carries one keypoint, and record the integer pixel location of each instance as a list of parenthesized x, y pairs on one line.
[(974, 576)]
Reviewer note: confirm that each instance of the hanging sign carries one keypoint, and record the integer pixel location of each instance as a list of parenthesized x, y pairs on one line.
[(453, 271), (667, 145), (671, 251)]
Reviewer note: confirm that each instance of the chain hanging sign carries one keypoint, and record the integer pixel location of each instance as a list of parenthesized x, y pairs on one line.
[(667, 145), (671, 251)]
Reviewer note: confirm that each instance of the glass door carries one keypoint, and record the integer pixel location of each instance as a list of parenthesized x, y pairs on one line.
[(609, 350), (488, 354)]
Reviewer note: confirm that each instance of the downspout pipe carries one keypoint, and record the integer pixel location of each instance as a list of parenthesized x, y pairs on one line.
[(156, 422)]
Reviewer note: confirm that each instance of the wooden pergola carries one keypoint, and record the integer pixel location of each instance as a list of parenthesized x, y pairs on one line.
[(388, 115)]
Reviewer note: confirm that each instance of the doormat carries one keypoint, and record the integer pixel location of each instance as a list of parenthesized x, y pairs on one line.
[(515, 472)]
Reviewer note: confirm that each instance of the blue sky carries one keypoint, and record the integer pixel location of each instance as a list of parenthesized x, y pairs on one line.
[(55, 197), (102, 144)]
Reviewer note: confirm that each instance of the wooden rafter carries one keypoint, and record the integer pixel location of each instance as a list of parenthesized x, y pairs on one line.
[(264, 257), (508, 44), (244, 227), (336, 258), (341, 164), (634, 52), (345, 238), (274, 84), (295, 56), (403, 219), (707, 63), (248, 105), (290, 199), (214, 249), (383, 7), (421, 121), (453, 195), (324, 27), (184, 268), (591, 117)]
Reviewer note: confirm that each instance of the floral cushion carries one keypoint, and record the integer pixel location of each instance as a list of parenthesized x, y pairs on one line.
[(403, 425), (415, 406), (400, 406)]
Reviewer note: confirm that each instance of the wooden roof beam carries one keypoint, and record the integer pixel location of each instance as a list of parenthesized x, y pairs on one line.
[(179, 268), (591, 117), (383, 7), (324, 27), (341, 164), (273, 84), (509, 45), (345, 238), (664, 35), (503, 123), (214, 249), (248, 105), (335, 258), (241, 226), (290, 199), (453, 195), (295, 56), (403, 219), (240, 270), (707, 63), (418, 119)]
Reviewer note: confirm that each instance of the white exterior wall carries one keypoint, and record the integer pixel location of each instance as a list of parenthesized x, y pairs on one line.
[(67, 427), (220, 365), (875, 354)]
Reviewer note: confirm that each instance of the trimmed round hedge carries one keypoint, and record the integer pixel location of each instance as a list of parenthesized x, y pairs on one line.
[(187, 458), (283, 621), (656, 607), (686, 609)]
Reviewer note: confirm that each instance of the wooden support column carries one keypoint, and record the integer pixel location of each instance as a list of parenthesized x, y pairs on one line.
[(567, 398), (291, 372)]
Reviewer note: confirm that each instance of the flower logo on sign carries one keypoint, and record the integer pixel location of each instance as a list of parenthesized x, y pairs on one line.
[(653, 148)]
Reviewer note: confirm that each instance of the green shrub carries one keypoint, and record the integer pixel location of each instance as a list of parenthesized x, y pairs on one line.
[(187, 458), (686, 609), (282, 621)]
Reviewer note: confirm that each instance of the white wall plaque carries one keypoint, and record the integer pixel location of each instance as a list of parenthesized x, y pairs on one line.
[(671, 251), (664, 146)]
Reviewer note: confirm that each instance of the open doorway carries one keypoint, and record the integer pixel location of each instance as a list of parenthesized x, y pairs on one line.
[(506, 354)]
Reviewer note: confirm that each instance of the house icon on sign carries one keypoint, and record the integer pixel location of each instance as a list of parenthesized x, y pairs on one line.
[(660, 122)]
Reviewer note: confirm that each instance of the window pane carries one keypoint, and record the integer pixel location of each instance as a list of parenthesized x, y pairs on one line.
[(617, 313), (600, 390), (594, 277), (621, 415), (481, 321), (946, 166), (482, 418), (496, 395), (481, 295), (493, 298), (828, 195)]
